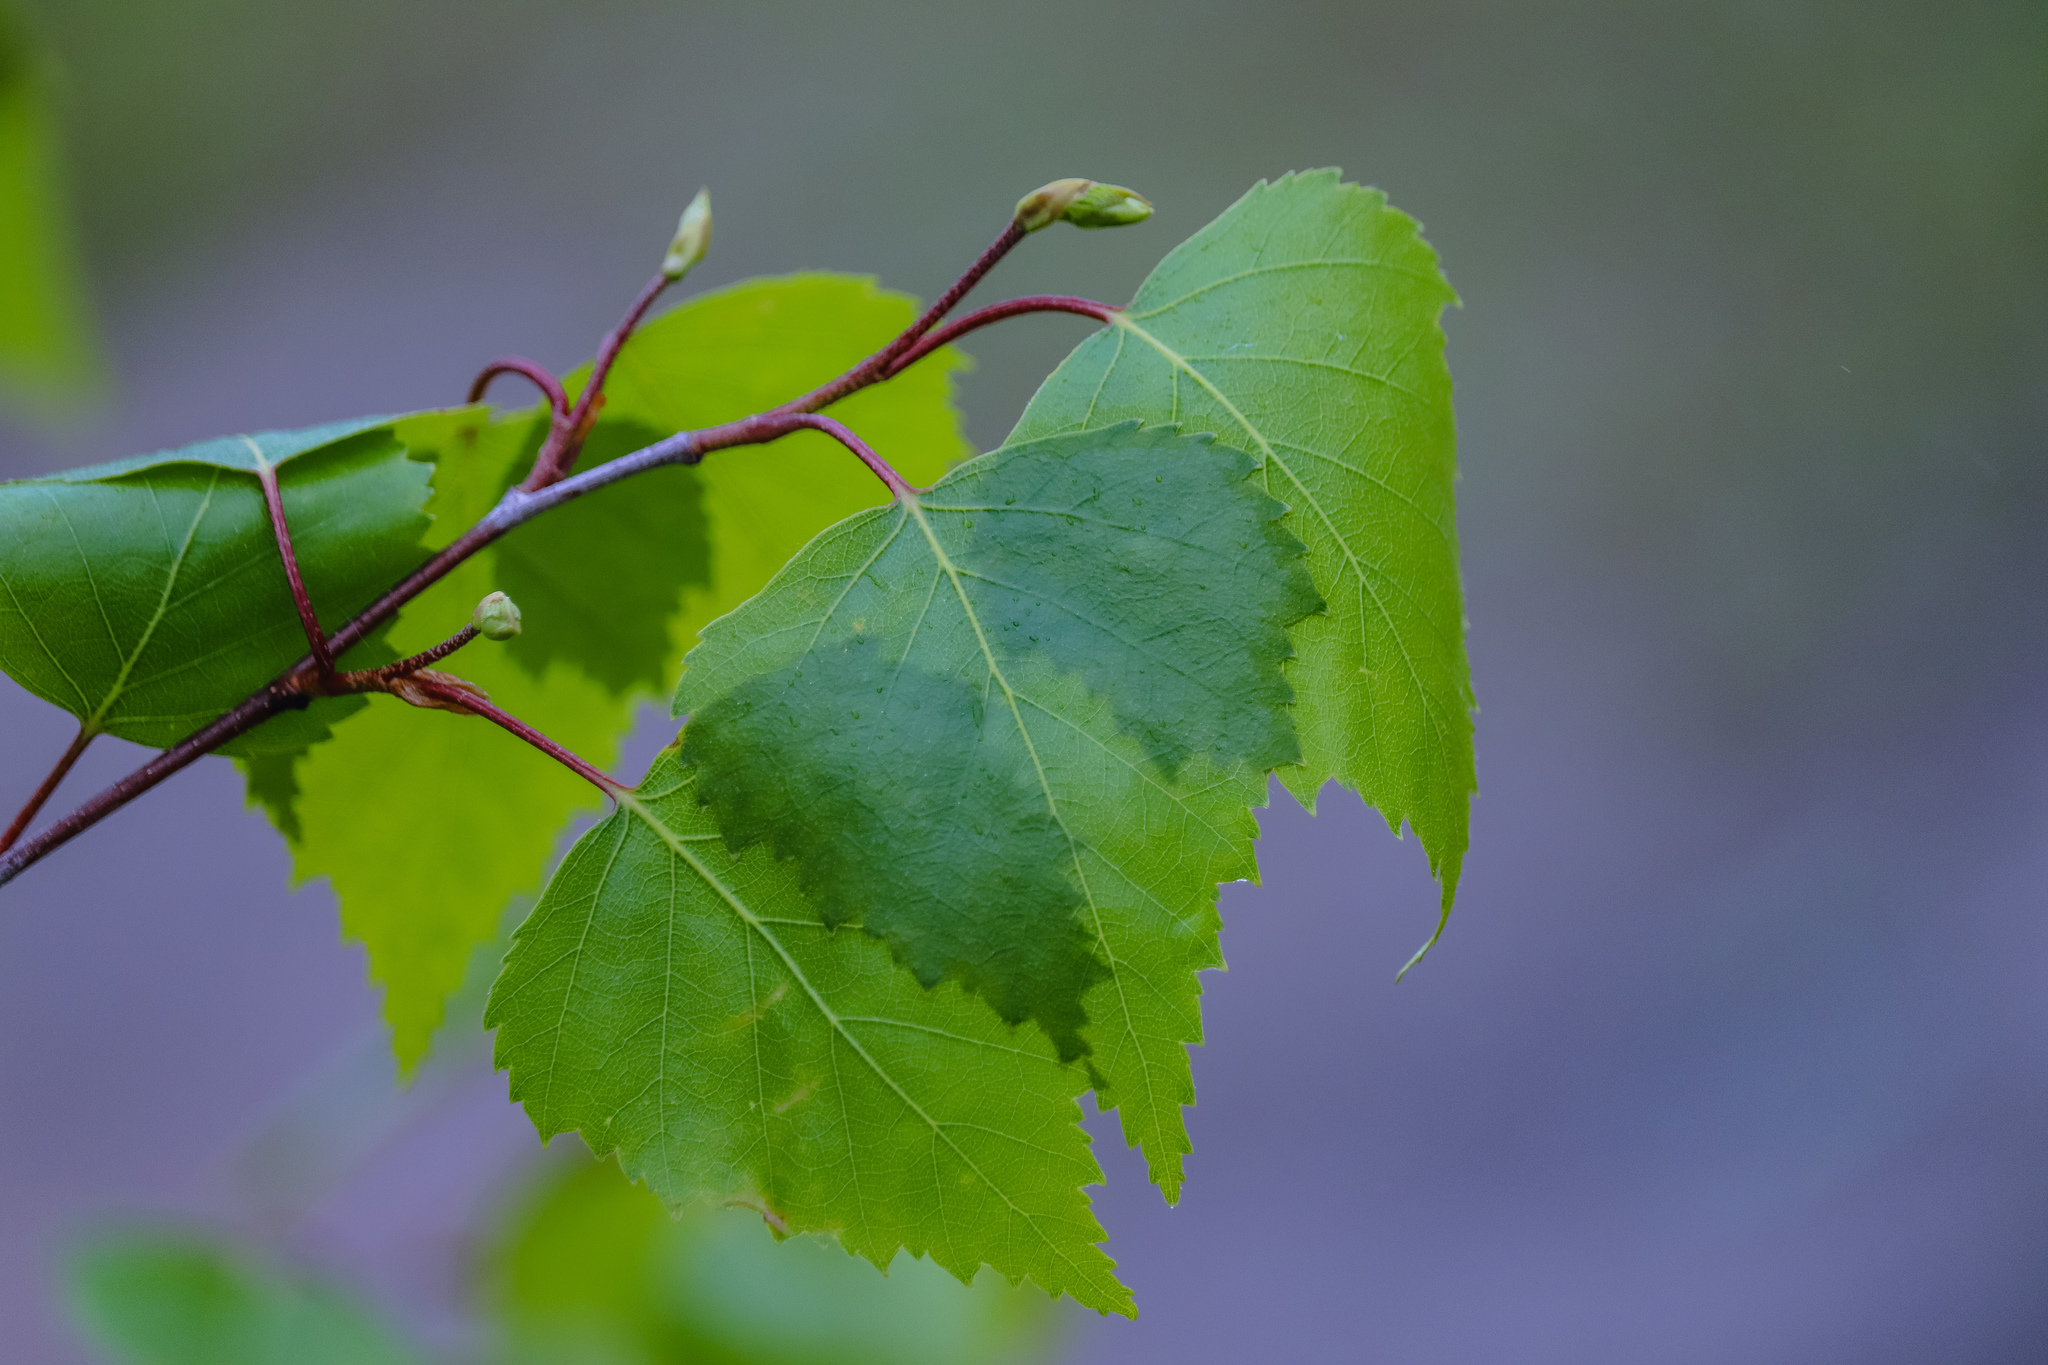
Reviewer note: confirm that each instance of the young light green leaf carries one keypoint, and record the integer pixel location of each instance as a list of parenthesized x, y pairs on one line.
[(884, 711), (683, 1007), (164, 1298), (428, 824), (593, 1268), (47, 347), (747, 348), (1303, 326), (147, 597)]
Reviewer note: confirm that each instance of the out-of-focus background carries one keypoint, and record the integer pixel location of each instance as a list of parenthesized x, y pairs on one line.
[(1737, 1047)]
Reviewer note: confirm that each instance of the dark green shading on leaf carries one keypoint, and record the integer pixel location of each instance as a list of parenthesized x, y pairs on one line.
[(1303, 326), (600, 580), (47, 348), (877, 712), (683, 1007), (148, 597), (177, 1299), (595, 1269)]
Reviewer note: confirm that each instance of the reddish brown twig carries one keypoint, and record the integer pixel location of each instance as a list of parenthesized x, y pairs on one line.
[(302, 681), (378, 679), (897, 485), (42, 793), (428, 688), (877, 366), (266, 474), (982, 317), (566, 434), (543, 379)]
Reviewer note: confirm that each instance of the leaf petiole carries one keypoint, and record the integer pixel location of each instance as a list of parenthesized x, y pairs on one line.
[(43, 793), (323, 657)]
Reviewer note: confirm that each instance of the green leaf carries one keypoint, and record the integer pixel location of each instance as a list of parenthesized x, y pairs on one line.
[(747, 348), (174, 1299), (1303, 326), (920, 707), (600, 580), (47, 347), (428, 824), (147, 597), (595, 1269), (683, 1007)]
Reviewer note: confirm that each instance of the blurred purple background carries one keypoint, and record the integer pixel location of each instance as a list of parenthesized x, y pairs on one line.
[(1737, 1048)]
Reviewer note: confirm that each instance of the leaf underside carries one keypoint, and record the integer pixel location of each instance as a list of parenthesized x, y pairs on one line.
[(684, 1007), (918, 708)]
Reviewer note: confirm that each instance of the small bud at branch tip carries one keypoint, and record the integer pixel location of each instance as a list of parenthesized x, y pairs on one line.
[(692, 240), (1084, 203), (496, 617)]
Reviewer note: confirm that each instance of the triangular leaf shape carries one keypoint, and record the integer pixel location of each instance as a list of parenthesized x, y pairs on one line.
[(896, 710), (428, 824), (684, 1008), (1303, 326), (146, 597)]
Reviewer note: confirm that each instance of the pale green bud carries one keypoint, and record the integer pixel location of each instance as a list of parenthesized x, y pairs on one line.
[(496, 617), (1102, 206), (693, 238), (1084, 203)]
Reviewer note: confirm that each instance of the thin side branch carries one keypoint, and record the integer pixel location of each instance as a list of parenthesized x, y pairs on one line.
[(42, 793), (982, 317), (323, 658), (897, 485), (241, 720), (377, 679), (877, 366), (565, 436), (456, 695), (310, 676), (543, 379)]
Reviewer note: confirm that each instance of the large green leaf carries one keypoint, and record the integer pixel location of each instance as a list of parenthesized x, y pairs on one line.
[(46, 336), (427, 824), (147, 597), (161, 1298), (918, 709), (1303, 326), (683, 1007), (594, 1269)]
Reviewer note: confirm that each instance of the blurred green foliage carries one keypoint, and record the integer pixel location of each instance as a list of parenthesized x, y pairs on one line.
[(180, 1298), (48, 354), (592, 1270), (586, 1270)]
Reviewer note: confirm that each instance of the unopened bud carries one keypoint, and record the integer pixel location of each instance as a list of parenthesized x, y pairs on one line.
[(1102, 206), (496, 617), (1084, 203), (693, 238)]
